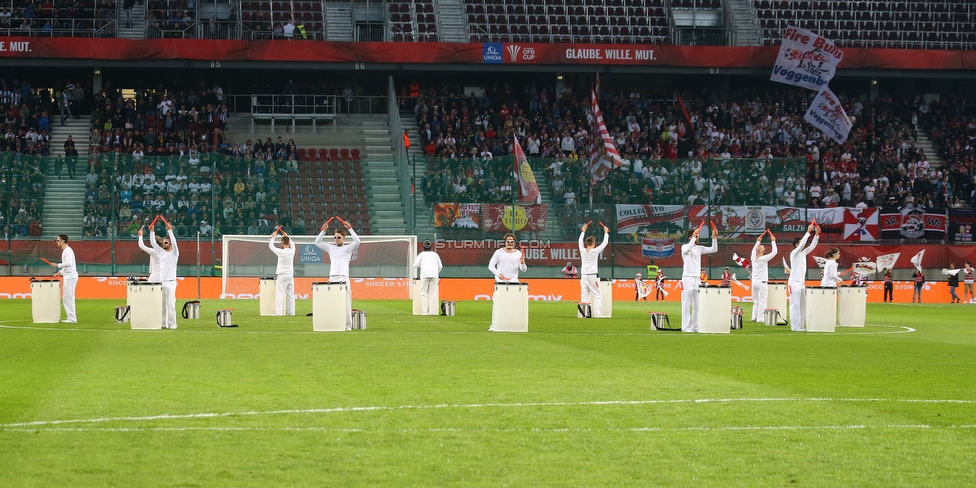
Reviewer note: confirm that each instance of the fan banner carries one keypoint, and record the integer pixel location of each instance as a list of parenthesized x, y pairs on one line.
[(913, 223), (961, 224), (806, 59), (457, 215), (741, 221), (860, 224), (827, 114), (496, 217), (632, 219), (657, 247)]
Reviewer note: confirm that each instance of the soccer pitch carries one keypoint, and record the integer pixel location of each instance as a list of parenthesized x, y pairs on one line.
[(439, 401)]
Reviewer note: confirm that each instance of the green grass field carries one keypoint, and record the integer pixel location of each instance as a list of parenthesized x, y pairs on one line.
[(439, 401)]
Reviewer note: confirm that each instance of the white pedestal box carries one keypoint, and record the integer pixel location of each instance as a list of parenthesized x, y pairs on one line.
[(268, 293), (776, 297), (329, 308), (418, 304), (145, 302), (821, 308), (606, 289), (510, 310), (46, 301), (714, 309), (851, 306)]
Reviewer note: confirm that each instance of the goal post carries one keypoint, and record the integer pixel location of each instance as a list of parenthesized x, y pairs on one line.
[(245, 258)]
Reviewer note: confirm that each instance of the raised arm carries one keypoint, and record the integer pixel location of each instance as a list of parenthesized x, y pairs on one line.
[(772, 251), (146, 249), (274, 248), (606, 239)]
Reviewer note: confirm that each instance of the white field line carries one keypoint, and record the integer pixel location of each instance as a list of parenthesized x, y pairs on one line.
[(901, 330), (731, 428), (472, 406)]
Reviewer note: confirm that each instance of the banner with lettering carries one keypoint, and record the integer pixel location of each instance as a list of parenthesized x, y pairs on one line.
[(827, 114), (738, 221), (961, 223), (806, 59), (913, 223), (633, 219), (457, 215), (496, 217)]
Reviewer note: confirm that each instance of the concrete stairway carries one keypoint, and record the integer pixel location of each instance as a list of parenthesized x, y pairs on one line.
[(928, 147), (382, 180), (338, 21), (451, 21), (743, 23), (138, 29), (64, 198)]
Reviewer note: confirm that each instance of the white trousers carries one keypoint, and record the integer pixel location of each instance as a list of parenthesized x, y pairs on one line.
[(428, 290), (169, 304), (760, 293), (797, 307), (285, 294), (68, 298), (590, 293), (689, 304)]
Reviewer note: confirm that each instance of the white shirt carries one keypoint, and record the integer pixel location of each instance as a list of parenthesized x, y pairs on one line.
[(507, 264), (830, 276), (167, 259), (338, 255), (286, 258), (153, 258), (798, 260), (67, 267), (691, 253), (589, 257), (429, 263), (760, 264)]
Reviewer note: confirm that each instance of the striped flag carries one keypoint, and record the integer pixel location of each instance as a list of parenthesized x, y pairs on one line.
[(528, 188), (604, 156)]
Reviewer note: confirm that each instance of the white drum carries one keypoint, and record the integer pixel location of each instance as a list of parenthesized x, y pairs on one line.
[(510, 312), (269, 294), (606, 305), (852, 306), (776, 296), (145, 305), (329, 307), (821, 308), (46, 301), (714, 310)]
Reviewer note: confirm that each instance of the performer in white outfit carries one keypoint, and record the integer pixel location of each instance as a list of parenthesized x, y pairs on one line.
[(340, 254), (284, 274), (830, 277), (169, 256), (691, 254), (430, 267), (760, 277), (589, 269), (798, 275), (505, 265), (153, 257), (68, 270)]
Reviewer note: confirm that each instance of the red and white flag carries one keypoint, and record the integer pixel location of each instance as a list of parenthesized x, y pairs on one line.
[(604, 156), (528, 189), (917, 260), (741, 261), (887, 261)]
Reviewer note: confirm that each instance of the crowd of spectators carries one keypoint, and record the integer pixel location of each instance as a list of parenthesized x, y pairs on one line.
[(85, 18), (745, 146), (165, 153), (26, 127)]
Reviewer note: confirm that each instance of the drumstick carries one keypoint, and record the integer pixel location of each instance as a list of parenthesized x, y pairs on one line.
[(46, 261)]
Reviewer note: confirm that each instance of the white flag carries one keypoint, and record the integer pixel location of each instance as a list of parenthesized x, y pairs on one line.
[(806, 59), (821, 261), (917, 260), (952, 272), (887, 261), (827, 114)]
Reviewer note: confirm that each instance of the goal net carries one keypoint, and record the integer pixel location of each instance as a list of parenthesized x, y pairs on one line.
[(382, 266)]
